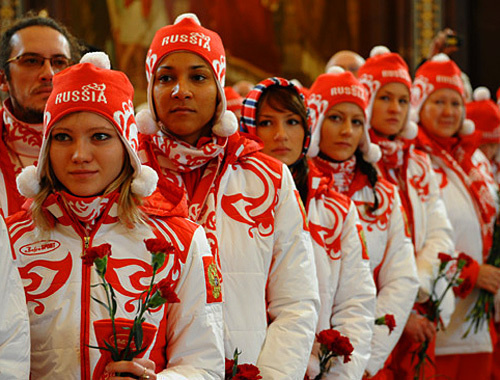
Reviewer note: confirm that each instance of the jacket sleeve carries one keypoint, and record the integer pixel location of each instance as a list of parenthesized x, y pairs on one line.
[(195, 348), (14, 321), (292, 291), (438, 238), (397, 285), (354, 300)]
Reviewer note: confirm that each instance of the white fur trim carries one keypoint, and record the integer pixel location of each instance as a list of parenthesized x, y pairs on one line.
[(145, 183), (145, 122), (227, 125), (410, 130), (468, 127), (373, 154), (98, 59), (27, 182), (441, 57), (335, 70), (379, 50), (481, 93), (192, 16)]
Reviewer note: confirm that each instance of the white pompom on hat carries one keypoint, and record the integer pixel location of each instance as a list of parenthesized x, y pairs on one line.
[(91, 86), (334, 87), (187, 35), (380, 69), (440, 72)]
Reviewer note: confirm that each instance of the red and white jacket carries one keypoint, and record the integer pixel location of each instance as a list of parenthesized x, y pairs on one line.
[(260, 237), (465, 219), (392, 259), (189, 341), (14, 322), (20, 145), (346, 285), (428, 221)]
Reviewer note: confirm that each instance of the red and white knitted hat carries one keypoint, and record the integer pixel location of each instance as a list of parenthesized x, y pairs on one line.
[(438, 73), (485, 114), (91, 86), (384, 67), (187, 35), (334, 87)]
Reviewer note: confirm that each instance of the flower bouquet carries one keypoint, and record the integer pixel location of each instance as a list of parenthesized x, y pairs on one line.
[(237, 371), (332, 344), (452, 276), (483, 309), (119, 338)]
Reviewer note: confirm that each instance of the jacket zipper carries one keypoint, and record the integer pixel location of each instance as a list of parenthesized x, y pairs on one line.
[(85, 360)]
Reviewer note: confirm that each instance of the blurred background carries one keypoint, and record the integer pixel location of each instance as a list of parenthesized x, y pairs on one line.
[(289, 38)]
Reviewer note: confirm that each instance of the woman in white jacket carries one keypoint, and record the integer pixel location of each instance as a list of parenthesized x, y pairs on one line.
[(245, 200), (341, 149), (386, 77), (469, 194), (14, 323), (276, 112), (85, 192)]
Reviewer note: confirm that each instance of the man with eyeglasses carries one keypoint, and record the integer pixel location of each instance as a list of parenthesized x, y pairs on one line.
[(32, 50)]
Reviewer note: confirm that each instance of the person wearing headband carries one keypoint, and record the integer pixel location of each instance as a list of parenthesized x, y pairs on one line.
[(246, 201), (276, 112), (86, 191)]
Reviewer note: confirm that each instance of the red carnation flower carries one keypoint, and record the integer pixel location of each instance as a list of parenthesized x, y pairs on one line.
[(97, 252), (343, 347), (390, 322), (156, 246), (166, 291), (247, 372), (328, 338), (468, 260), (229, 368), (444, 258)]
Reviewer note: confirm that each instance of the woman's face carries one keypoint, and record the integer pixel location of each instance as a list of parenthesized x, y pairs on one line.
[(341, 131), (185, 96), (86, 153), (441, 114), (390, 109), (282, 133)]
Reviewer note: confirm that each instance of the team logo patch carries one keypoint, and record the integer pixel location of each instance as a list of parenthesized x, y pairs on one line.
[(39, 247), (212, 280)]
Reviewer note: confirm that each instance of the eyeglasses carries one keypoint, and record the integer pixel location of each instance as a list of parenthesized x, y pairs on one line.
[(34, 61)]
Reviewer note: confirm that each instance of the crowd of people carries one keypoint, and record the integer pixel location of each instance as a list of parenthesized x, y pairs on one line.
[(281, 212)]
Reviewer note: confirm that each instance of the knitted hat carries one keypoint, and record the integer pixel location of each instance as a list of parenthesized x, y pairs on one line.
[(91, 86), (187, 35), (485, 114), (435, 74), (233, 99), (338, 86), (384, 67), (249, 109)]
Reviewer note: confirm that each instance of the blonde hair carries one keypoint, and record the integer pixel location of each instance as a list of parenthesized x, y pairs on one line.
[(129, 211)]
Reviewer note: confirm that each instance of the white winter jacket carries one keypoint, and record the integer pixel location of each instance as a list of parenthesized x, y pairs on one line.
[(270, 290), (14, 322), (346, 283), (432, 231), (392, 262), (188, 344), (466, 223)]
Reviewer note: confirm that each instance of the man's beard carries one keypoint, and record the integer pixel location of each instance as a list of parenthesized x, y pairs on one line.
[(29, 115)]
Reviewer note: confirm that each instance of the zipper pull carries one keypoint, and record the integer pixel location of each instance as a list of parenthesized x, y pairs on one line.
[(86, 242)]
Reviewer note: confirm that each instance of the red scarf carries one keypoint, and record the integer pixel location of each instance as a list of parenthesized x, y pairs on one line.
[(393, 167), (348, 179), (456, 153)]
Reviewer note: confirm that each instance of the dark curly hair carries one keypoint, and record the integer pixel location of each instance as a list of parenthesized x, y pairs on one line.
[(31, 19)]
